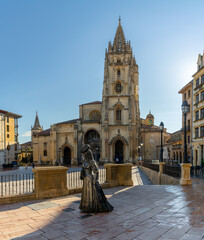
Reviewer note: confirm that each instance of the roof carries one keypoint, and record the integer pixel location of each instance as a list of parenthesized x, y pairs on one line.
[(10, 114), (69, 121), (26, 143), (186, 87), (37, 123), (91, 103), (44, 133)]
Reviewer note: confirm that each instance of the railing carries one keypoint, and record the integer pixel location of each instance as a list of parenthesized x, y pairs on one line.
[(73, 178), (17, 184), (174, 171), (154, 167)]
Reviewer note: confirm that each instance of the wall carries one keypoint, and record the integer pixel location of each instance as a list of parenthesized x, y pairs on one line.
[(154, 177)]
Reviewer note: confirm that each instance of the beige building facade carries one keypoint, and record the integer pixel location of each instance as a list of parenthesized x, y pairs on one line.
[(112, 126), (9, 146), (198, 113), (187, 94)]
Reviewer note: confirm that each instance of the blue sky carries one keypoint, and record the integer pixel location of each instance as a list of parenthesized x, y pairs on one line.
[(52, 55)]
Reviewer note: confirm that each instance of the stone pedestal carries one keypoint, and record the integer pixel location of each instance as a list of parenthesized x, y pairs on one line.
[(119, 174), (50, 182), (111, 174), (185, 174), (161, 170)]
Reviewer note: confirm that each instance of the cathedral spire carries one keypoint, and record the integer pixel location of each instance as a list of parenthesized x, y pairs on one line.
[(119, 44), (37, 122)]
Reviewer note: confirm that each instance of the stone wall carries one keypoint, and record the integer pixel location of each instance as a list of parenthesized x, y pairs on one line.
[(156, 178)]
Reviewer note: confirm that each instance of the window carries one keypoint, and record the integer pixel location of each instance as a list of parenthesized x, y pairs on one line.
[(189, 124), (202, 131), (196, 115), (202, 95), (202, 113), (118, 115), (197, 98), (184, 96), (7, 128), (45, 153), (16, 147), (95, 116), (118, 73), (7, 135), (16, 130), (7, 119), (197, 82), (118, 60), (45, 144), (189, 93), (189, 139), (16, 121), (196, 132), (202, 78), (16, 138)]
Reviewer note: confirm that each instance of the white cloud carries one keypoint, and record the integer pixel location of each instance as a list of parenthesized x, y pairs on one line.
[(26, 134)]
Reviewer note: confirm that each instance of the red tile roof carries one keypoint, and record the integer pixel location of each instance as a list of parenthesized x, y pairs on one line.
[(69, 121), (44, 133), (96, 102)]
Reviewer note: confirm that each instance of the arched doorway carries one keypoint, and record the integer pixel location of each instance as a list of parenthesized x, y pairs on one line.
[(67, 156), (119, 151), (93, 139)]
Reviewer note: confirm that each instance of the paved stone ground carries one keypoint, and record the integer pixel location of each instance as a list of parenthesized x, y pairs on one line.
[(141, 212)]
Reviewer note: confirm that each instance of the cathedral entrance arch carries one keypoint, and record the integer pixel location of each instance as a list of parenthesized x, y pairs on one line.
[(119, 152), (92, 138), (67, 156)]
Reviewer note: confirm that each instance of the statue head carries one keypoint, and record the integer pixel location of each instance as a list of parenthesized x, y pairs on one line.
[(86, 152)]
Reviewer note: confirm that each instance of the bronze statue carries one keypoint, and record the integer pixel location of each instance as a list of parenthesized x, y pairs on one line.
[(93, 200)]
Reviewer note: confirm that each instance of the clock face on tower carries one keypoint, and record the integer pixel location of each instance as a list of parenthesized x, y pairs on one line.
[(118, 88)]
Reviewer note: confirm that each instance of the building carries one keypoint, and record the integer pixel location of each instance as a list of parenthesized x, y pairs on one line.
[(9, 146), (112, 126), (25, 152), (187, 93), (151, 137), (198, 113)]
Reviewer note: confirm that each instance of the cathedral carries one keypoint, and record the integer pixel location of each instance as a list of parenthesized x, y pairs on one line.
[(112, 127)]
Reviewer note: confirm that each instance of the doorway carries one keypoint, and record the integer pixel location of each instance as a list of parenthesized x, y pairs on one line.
[(67, 156), (119, 152)]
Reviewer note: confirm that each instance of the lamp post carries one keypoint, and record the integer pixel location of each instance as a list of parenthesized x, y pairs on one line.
[(185, 109), (141, 150), (161, 150)]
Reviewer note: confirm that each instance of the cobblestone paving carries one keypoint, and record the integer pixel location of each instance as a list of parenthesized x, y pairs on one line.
[(141, 212)]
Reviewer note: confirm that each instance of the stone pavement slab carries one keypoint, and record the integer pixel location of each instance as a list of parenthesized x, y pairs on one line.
[(140, 212)]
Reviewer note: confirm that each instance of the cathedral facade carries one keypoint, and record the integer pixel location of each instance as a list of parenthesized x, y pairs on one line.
[(112, 126)]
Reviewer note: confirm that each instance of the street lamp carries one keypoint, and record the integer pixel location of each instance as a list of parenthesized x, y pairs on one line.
[(161, 150), (185, 109)]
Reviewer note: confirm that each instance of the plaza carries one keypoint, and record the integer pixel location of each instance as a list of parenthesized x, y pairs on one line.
[(141, 212)]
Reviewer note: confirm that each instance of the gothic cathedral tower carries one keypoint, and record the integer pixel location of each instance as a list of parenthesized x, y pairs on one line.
[(120, 102)]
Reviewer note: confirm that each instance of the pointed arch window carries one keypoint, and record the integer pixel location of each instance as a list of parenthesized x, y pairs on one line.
[(118, 115), (45, 153), (118, 73)]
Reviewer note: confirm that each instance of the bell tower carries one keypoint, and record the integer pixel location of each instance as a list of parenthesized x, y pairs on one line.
[(36, 128), (120, 101)]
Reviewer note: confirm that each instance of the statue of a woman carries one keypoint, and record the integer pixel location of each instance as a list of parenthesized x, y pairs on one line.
[(93, 199)]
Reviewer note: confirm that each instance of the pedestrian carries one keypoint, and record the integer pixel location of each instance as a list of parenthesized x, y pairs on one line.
[(33, 164), (140, 160)]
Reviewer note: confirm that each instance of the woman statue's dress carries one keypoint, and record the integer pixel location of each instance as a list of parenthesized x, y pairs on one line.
[(93, 199)]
